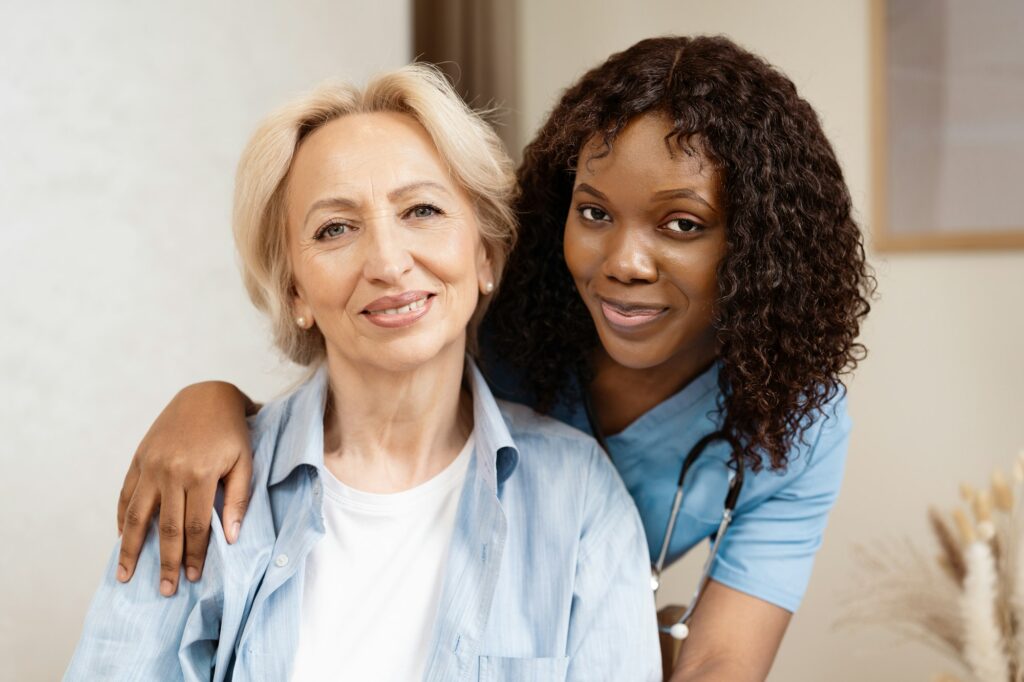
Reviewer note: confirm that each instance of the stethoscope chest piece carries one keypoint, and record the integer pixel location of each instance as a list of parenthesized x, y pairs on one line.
[(679, 631)]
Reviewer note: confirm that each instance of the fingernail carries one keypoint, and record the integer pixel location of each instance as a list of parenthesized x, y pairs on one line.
[(235, 527), (166, 587), (192, 573), (122, 573)]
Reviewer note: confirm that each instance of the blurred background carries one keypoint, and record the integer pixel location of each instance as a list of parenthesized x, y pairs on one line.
[(122, 123)]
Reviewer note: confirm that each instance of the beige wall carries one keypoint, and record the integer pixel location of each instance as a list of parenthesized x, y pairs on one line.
[(938, 401), (122, 123)]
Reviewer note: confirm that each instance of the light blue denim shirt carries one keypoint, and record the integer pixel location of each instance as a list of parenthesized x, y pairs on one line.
[(547, 575)]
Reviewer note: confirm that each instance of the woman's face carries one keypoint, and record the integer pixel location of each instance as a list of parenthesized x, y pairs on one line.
[(384, 246), (643, 240)]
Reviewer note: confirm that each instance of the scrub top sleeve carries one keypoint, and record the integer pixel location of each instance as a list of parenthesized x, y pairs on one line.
[(768, 551)]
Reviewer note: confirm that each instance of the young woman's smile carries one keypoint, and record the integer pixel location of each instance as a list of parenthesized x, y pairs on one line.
[(643, 240)]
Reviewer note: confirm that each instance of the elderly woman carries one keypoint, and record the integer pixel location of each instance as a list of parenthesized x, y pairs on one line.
[(403, 523)]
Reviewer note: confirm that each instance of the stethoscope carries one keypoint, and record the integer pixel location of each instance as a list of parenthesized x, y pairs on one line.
[(680, 630)]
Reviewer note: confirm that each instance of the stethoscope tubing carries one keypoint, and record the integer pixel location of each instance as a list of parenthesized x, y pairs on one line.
[(678, 630)]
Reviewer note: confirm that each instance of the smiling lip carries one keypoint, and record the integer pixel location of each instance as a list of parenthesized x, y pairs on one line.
[(625, 315), (399, 311)]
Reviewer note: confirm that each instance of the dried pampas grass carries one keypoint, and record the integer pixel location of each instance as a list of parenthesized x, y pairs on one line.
[(968, 602)]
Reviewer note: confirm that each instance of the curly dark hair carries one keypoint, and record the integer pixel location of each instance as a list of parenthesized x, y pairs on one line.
[(793, 284)]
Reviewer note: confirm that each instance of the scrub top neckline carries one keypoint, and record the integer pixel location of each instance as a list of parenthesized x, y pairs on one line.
[(670, 409)]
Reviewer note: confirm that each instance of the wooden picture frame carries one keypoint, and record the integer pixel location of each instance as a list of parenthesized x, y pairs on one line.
[(893, 121)]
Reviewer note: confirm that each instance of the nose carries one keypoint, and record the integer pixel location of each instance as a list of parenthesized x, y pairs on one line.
[(387, 257), (627, 257)]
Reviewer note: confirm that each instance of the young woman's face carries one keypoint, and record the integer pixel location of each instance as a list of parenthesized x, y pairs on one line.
[(643, 239)]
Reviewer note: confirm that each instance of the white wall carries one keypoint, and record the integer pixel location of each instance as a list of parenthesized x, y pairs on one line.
[(939, 399), (122, 123)]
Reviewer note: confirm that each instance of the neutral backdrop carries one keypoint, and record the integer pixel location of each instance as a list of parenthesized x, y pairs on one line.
[(121, 127)]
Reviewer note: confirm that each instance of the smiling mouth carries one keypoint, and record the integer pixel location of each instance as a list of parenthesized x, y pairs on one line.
[(409, 307), (399, 311), (629, 315)]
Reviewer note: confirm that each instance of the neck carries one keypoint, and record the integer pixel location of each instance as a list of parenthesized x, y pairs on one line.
[(387, 431), (620, 395)]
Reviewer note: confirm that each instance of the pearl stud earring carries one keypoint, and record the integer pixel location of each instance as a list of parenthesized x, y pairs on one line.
[(301, 321), (489, 287)]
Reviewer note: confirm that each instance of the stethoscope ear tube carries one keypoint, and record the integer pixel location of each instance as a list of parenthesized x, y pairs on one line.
[(679, 629)]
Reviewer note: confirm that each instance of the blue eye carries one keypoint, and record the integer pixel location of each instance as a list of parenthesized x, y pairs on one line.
[(594, 214), (682, 225), (423, 211), (332, 230)]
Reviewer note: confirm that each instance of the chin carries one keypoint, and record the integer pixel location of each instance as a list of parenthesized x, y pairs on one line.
[(409, 354), (633, 354)]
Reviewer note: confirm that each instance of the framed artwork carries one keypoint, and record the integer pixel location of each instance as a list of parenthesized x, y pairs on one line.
[(948, 124)]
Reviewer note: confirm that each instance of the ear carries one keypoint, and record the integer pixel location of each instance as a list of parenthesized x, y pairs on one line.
[(302, 314), (484, 270)]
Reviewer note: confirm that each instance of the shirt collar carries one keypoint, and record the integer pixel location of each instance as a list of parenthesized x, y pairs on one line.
[(300, 437)]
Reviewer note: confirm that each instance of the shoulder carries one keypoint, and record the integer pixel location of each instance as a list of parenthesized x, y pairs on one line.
[(524, 421), (814, 474), (563, 457), (274, 414), (826, 439)]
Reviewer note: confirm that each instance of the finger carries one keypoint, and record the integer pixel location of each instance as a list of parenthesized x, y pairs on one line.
[(237, 484), (131, 480), (137, 514), (198, 509), (172, 515)]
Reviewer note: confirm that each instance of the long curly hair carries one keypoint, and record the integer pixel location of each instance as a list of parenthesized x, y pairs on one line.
[(793, 284)]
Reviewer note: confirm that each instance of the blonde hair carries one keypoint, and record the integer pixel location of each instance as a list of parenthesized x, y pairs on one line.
[(472, 151)]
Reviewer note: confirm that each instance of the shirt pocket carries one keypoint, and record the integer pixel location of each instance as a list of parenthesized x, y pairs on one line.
[(502, 669)]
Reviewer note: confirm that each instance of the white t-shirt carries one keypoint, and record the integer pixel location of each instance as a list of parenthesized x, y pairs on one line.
[(373, 581)]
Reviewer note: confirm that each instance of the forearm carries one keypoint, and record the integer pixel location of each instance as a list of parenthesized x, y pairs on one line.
[(733, 638), (224, 393), (716, 670)]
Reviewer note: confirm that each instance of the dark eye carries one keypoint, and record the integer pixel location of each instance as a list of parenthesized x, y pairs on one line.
[(594, 214), (682, 225), (423, 211), (332, 230)]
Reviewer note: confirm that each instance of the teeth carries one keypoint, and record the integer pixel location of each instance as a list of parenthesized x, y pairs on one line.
[(408, 308)]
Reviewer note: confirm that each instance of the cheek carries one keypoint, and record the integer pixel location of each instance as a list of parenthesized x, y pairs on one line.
[(451, 256), (581, 251), (695, 271), (325, 283)]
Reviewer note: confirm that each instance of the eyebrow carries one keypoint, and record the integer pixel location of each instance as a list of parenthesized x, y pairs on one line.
[(393, 195), (680, 193), (683, 193)]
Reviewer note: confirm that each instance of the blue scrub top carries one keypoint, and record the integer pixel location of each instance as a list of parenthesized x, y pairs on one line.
[(769, 549)]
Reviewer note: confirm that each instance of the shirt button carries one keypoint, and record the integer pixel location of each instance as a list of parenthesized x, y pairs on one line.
[(281, 561)]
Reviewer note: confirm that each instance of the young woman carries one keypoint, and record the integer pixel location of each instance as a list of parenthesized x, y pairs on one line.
[(687, 266)]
